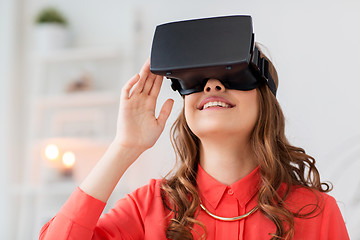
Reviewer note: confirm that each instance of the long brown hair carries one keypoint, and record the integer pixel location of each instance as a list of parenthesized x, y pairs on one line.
[(280, 164)]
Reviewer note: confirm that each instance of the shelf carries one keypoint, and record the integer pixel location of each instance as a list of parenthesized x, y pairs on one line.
[(87, 153), (75, 143), (90, 98), (65, 187), (61, 188), (80, 122), (81, 54)]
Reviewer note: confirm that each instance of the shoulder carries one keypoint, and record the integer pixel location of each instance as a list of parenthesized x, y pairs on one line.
[(141, 200), (132, 215), (305, 194), (305, 200), (317, 214), (148, 192), (147, 195)]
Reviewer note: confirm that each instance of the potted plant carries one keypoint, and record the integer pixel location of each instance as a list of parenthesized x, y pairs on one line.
[(51, 30)]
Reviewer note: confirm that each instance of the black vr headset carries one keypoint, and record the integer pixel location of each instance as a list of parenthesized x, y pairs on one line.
[(194, 51)]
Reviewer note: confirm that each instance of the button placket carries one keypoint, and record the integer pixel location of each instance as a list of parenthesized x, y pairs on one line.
[(228, 207)]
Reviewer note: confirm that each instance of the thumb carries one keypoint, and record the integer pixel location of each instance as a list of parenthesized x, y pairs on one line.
[(165, 112)]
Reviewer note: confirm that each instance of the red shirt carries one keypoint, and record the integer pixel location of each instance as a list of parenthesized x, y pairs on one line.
[(141, 215)]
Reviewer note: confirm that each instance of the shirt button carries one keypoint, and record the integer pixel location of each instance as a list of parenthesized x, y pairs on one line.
[(230, 192)]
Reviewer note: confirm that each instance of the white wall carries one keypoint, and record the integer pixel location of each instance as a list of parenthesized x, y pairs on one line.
[(7, 37), (314, 45)]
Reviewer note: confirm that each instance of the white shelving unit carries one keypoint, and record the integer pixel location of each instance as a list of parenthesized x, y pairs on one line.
[(83, 122)]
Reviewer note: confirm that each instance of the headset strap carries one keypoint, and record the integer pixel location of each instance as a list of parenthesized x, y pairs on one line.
[(261, 65)]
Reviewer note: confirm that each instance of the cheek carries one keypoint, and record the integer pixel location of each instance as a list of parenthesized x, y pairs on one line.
[(189, 109), (190, 116), (253, 102), (255, 108), (254, 116), (249, 109)]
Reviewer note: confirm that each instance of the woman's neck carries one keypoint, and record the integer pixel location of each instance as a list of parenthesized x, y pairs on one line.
[(227, 160)]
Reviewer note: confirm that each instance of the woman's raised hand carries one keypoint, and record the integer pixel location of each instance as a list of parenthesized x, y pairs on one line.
[(137, 125), (137, 130)]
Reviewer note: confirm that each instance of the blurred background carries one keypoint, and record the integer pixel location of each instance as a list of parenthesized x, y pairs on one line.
[(63, 63)]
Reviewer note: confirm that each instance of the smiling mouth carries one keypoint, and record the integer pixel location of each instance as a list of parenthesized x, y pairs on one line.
[(216, 104)]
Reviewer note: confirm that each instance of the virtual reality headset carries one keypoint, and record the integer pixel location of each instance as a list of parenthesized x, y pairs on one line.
[(194, 51)]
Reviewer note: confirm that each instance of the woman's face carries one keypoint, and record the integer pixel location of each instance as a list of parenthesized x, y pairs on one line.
[(218, 111)]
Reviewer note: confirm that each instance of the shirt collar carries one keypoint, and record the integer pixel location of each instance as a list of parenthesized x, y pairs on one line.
[(212, 191)]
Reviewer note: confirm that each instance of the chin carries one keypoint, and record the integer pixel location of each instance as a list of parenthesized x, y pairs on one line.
[(216, 129), (213, 131)]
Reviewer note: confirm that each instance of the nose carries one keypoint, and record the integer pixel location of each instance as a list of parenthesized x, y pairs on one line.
[(214, 85)]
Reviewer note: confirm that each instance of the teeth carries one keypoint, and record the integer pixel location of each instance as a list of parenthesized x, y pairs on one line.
[(217, 104)]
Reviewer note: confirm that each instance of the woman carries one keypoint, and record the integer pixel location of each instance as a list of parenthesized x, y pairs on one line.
[(238, 177)]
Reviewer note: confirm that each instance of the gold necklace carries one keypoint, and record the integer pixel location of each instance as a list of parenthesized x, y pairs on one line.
[(231, 218)]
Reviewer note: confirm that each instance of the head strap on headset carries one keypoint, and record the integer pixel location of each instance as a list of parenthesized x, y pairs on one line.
[(261, 66)]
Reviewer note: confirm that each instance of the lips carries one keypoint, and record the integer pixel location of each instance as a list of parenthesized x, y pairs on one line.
[(221, 102)]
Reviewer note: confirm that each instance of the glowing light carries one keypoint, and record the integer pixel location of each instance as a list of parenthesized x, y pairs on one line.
[(68, 159), (51, 152)]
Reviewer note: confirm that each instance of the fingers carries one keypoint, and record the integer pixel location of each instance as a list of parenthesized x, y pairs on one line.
[(145, 82), (165, 112), (144, 73), (149, 83), (125, 92), (156, 86)]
